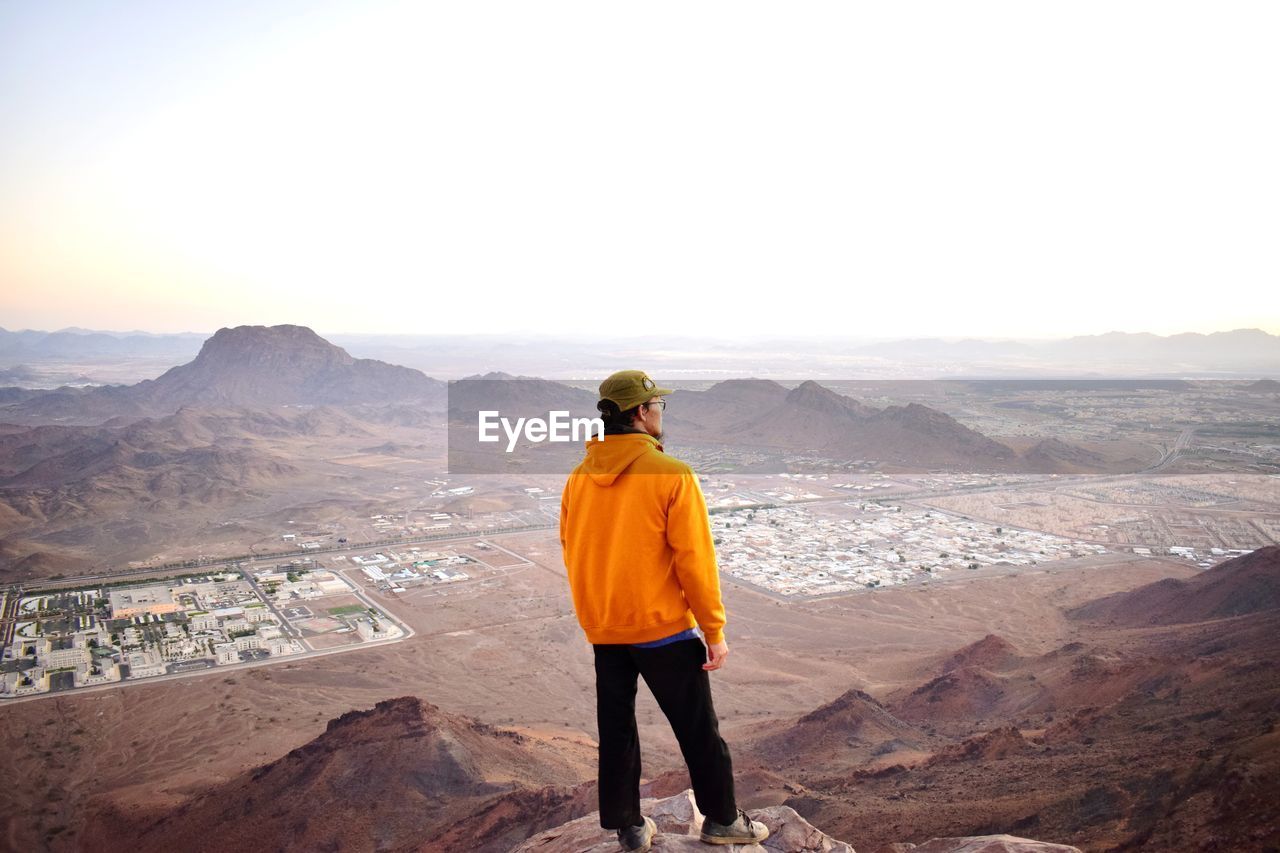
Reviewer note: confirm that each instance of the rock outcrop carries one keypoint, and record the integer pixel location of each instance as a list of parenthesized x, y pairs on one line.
[(394, 777), (679, 821)]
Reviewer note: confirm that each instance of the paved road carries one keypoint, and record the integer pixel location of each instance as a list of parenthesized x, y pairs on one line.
[(1181, 443)]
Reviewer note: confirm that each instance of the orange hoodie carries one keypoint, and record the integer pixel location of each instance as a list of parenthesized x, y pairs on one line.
[(637, 544)]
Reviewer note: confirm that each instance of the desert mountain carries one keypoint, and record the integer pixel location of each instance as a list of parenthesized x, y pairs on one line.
[(1053, 456), (243, 366), (991, 652), (194, 440), (988, 682), (814, 418), (102, 491), (517, 397), (809, 396), (966, 693), (389, 778), (1246, 584), (916, 434), (276, 365), (722, 407), (994, 745), (811, 417), (848, 731)]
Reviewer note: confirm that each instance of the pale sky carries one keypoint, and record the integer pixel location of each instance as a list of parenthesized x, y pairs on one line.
[(731, 169)]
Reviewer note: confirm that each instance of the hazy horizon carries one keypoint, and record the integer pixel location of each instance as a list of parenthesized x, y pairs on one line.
[(998, 171), (720, 338)]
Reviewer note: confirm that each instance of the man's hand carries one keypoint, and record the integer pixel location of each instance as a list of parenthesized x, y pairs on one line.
[(716, 653)]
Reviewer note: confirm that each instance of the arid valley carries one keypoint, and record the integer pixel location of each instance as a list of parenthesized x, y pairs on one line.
[(961, 607)]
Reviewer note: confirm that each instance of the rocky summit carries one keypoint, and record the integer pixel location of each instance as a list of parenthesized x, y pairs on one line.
[(679, 822)]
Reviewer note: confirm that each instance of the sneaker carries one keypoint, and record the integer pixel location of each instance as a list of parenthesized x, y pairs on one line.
[(638, 838), (744, 830)]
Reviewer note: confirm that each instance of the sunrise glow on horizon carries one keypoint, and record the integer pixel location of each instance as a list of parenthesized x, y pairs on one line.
[(720, 169)]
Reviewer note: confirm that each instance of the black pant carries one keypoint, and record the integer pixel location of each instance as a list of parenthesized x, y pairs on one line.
[(682, 687)]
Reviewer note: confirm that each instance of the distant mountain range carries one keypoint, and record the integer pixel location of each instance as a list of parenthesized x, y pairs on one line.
[(75, 344), (760, 414), (263, 367), (812, 417), (1234, 354), (124, 462), (1239, 353), (1238, 346)]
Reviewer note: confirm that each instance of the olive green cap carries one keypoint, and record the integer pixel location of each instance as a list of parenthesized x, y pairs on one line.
[(629, 388)]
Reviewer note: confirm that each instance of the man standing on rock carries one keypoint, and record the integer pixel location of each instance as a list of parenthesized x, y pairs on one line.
[(642, 569)]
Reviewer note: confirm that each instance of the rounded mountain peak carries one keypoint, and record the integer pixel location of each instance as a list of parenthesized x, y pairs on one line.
[(811, 395), (271, 346)]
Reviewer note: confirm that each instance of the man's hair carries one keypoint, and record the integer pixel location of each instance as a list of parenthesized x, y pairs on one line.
[(614, 417)]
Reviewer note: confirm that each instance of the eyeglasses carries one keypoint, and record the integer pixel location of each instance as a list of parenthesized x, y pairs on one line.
[(661, 404)]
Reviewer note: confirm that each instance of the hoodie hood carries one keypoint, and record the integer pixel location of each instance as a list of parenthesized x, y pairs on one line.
[(608, 458)]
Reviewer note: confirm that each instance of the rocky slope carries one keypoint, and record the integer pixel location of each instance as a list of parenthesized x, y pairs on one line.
[(850, 731), (388, 778), (1247, 584), (1160, 737), (91, 489)]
